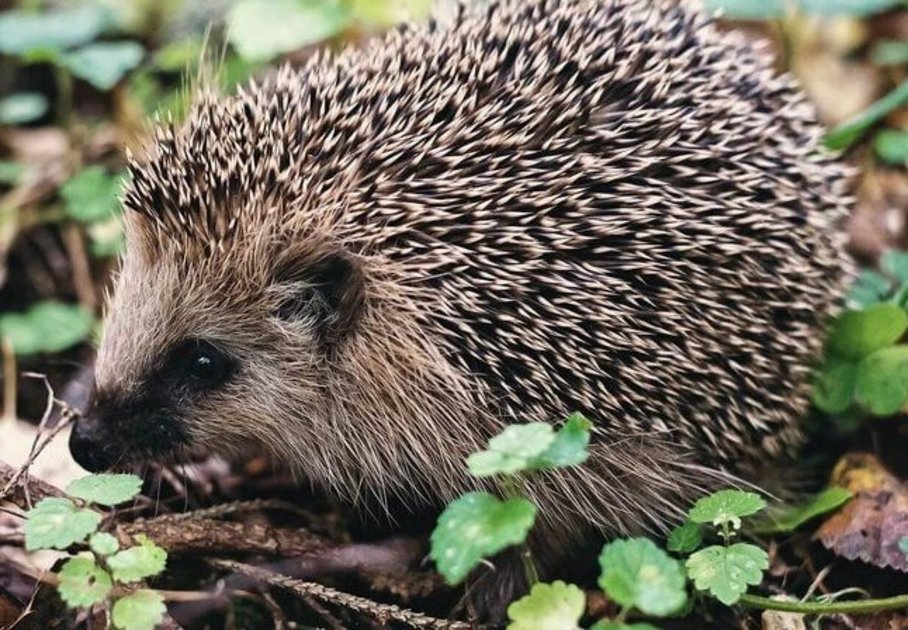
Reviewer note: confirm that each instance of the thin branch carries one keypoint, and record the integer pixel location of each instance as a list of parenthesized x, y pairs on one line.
[(382, 612)]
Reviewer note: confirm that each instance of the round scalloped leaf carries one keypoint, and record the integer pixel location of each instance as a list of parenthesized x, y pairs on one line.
[(726, 506), (555, 606), (83, 583), (105, 489), (685, 538), (139, 562), (833, 387), (91, 194), (512, 450), (104, 64), (523, 440), (726, 572), (24, 32), (881, 384), (56, 523), (569, 448), (263, 29), (47, 326), (103, 543), (637, 573), (474, 526), (142, 610), (856, 334)]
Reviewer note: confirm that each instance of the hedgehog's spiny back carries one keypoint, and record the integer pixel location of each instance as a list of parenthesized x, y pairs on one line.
[(604, 206)]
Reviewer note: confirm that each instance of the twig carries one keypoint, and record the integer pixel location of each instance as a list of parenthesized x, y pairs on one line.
[(16, 494), (74, 243), (67, 415), (42, 425), (234, 507), (863, 606), (9, 380), (382, 612)]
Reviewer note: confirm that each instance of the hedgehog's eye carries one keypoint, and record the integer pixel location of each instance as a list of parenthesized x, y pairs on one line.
[(202, 364)]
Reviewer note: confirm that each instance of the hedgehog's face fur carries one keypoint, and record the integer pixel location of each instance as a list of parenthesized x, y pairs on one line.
[(189, 362)]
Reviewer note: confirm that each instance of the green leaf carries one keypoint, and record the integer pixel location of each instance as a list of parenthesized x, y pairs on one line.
[(104, 64), (24, 32), (833, 389), (107, 238), (617, 625), (477, 525), (137, 563), (793, 516), (853, 8), (105, 488), (263, 29), (895, 264), (845, 134), (747, 9), (179, 55), (555, 606), (636, 573), (881, 383), (870, 288), (726, 506), (772, 9), (21, 108), (855, 334), (569, 447), (726, 572), (46, 327), (10, 172), (91, 195), (56, 523), (892, 146), (83, 583), (685, 538), (142, 610), (103, 543), (903, 545), (512, 450), (890, 52)]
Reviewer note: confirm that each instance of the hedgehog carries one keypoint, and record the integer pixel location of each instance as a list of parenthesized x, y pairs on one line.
[(366, 266)]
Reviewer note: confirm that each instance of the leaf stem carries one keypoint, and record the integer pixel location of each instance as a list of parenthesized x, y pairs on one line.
[(820, 608), (529, 567), (512, 490)]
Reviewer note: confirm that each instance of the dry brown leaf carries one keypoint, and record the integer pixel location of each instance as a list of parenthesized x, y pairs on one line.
[(870, 526)]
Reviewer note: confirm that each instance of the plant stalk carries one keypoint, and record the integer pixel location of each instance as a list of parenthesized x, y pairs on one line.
[(864, 606)]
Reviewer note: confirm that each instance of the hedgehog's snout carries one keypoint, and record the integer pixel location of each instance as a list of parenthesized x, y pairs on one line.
[(90, 446), (121, 429)]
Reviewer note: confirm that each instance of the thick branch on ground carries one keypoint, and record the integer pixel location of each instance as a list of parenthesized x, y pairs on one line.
[(37, 489), (205, 535), (382, 612)]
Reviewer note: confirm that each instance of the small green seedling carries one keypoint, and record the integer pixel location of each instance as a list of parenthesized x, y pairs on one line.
[(865, 366), (725, 571), (102, 573), (480, 524)]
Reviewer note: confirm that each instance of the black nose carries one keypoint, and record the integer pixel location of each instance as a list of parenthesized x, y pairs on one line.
[(89, 447)]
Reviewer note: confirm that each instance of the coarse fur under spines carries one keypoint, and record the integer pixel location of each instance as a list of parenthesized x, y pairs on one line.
[(551, 205)]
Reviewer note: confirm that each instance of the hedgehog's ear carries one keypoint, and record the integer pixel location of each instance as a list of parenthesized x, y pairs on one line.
[(326, 290)]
